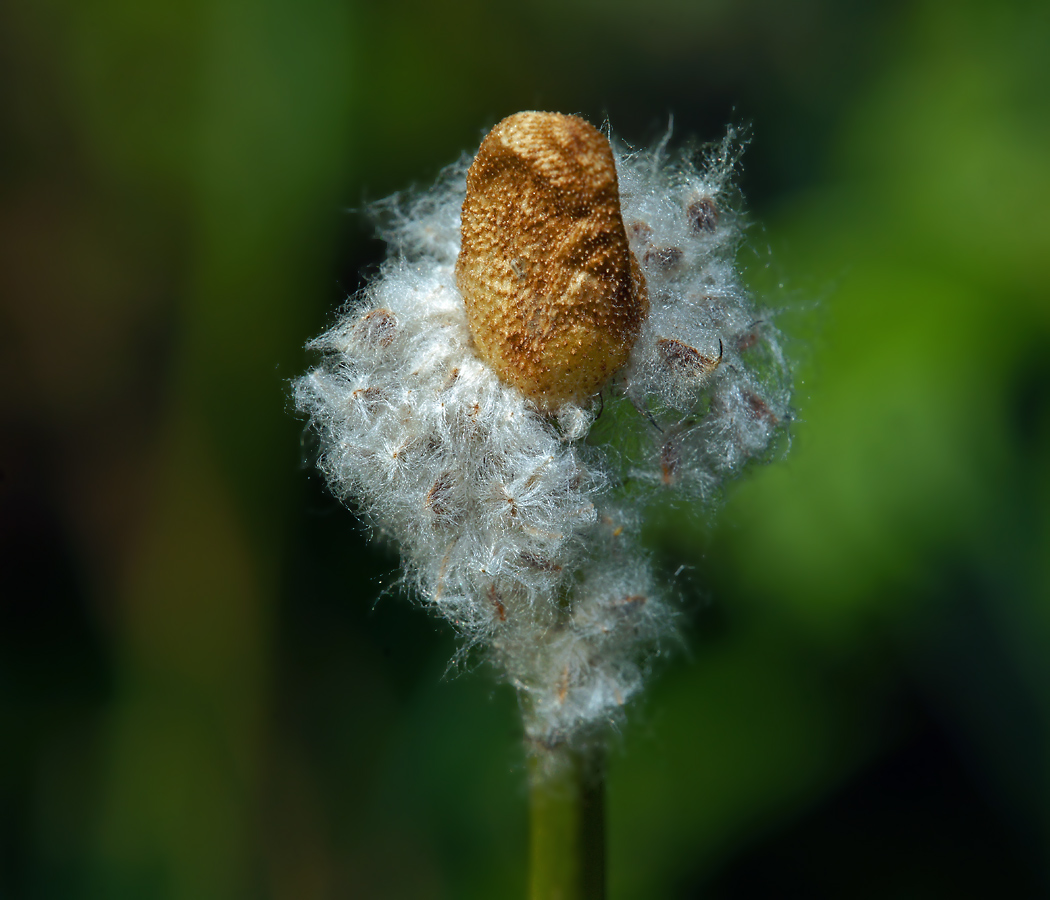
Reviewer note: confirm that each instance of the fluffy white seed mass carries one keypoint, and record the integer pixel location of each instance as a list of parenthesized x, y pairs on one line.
[(521, 527)]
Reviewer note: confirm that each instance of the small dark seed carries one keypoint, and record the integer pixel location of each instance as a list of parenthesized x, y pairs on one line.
[(686, 360), (440, 497), (501, 610), (758, 408), (633, 603), (664, 257), (670, 462), (746, 341), (379, 327), (370, 396), (542, 565), (639, 231), (703, 215)]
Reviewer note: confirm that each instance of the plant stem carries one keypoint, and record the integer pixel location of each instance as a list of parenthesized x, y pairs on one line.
[(566, 825)]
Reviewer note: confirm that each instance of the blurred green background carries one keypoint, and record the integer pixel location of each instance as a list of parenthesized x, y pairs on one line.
[(204, 690)]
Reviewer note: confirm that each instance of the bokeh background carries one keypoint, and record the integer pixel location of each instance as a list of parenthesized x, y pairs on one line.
[(208, 688)]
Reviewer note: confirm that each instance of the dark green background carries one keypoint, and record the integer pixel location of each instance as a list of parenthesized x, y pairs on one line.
[(204, 691)]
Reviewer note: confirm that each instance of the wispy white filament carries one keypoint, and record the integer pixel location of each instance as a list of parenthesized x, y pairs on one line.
[(520, 528)]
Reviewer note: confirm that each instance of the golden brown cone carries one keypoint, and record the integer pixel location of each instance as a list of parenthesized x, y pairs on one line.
[(554, 296)]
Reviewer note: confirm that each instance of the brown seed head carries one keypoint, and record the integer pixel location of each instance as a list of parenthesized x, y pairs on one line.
[(554, 296)]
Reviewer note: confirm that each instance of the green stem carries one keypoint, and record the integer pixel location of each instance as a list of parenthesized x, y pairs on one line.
[(566, 825)]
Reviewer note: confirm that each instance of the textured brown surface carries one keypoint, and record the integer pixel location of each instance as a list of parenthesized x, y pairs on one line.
[(554, 296)]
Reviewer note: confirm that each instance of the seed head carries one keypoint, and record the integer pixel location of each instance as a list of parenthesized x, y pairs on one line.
[(554, 296), (451, 400)]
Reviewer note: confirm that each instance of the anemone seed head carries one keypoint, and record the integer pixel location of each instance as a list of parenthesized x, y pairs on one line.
[(457, 401)]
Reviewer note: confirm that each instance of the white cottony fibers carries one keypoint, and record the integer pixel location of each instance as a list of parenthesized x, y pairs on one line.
[(521, 528)]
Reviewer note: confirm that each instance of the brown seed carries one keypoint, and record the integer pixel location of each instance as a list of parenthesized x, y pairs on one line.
[(378, 327), (441, 499), (538, 563), (686, 360), (501, 610), (554, 296), (640, 231), (670, 462), (759, 409), (703, 215), (747, 340), (370, 396), (664, 257), (632, 604), (563, 684)]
